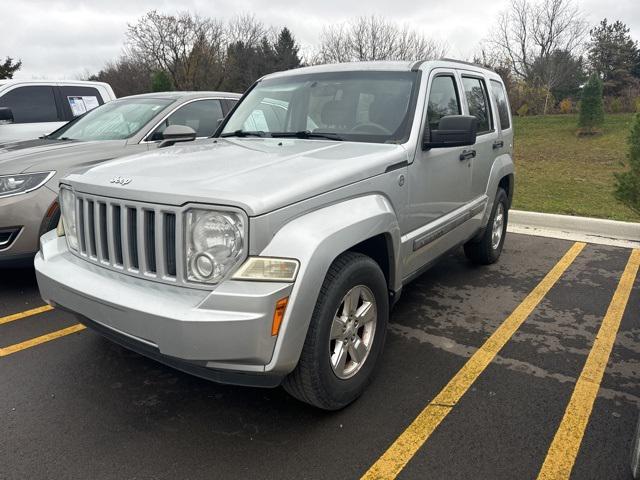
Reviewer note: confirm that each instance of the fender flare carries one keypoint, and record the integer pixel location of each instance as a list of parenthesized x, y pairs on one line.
[(502, 167), (316, 239)]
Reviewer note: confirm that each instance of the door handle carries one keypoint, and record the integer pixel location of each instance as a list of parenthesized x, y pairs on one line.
[(498, 144), (467, 154)]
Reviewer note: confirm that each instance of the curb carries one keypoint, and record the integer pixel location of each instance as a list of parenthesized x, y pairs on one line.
[(590, 230)]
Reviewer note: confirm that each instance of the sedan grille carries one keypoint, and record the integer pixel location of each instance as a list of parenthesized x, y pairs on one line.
[(137, 238)]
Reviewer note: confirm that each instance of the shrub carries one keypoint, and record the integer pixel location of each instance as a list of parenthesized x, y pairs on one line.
[(616, 105), (628, 183), (637, 105), (591, 109), (523, 110), (566, 106)]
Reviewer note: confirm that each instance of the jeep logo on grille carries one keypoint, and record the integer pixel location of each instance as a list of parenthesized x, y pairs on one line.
[(120, 180)]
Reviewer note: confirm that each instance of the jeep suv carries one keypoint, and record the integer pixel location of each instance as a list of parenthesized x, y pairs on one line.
[(272, 253)]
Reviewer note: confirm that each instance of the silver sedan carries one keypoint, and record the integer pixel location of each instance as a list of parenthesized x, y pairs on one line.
[(30, 170)]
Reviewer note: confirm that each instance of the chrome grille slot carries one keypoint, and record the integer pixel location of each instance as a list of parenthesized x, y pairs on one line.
[(90, 226), (150, 239), (132, 217), (170, 242), (132, 237)]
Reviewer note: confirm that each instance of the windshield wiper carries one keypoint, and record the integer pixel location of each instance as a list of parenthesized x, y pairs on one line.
[(308, 134), (243, 133)]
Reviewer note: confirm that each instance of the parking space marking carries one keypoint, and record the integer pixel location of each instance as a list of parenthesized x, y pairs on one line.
[(566, 442), (41, 339), (391, 463), (25, 314)]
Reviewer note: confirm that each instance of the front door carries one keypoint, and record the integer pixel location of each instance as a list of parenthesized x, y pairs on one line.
[(439, 181)]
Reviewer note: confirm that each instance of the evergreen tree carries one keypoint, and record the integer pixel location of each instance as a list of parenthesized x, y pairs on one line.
[(9, 67), (591, 109), (628, 183), (614, 55), (286, 51), (161, 82)]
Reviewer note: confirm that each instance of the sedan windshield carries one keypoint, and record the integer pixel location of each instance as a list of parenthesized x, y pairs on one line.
[(364, 106), (115, 120)]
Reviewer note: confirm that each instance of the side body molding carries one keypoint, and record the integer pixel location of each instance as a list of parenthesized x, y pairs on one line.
[(316, 239)]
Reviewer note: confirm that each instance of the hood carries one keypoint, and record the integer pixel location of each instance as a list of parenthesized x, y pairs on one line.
[(43, 154), (256, 174)]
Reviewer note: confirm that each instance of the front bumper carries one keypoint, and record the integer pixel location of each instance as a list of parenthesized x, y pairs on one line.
[(26, 214), (224, 334)]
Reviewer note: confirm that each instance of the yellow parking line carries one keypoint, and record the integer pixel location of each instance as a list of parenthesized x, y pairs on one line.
[(42, 339), (566, 443), (26, 313), (391, 463)]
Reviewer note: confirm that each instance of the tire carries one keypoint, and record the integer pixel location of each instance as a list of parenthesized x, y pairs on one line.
[(320, 378), (486, 250)]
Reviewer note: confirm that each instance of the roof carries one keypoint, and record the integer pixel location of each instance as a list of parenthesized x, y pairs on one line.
[(49, 82), (382, 65), (185, 95)]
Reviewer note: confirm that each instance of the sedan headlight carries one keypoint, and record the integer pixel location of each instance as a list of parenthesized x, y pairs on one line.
[(23, 182), (215, 243), (68, 209)]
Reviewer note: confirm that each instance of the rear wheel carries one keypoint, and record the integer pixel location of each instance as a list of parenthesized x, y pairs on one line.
[(488, 247), (345, 337)]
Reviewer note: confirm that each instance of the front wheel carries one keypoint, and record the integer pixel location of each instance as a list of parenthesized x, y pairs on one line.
[(488, 247), (345, 337)]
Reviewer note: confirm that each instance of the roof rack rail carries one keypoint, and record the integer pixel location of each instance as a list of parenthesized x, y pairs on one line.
[(472, 64)]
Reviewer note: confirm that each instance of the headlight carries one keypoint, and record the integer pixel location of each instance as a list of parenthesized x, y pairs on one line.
[(22, 182), (215, 243), (268, 269), (68, 209)]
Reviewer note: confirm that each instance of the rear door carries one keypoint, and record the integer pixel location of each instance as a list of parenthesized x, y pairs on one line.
[(35, 112), (478, 103)]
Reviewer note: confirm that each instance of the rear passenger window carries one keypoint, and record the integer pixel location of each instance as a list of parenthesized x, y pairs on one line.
[(503, 105), (31, 104), (478, 102), (78, 99), (202, 116), (443, 100)]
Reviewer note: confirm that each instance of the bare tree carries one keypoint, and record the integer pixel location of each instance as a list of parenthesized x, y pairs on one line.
[(375, 38), (536, 37), (182, 45)]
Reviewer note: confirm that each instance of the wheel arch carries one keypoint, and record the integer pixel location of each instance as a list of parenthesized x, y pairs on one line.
[(362, 224)]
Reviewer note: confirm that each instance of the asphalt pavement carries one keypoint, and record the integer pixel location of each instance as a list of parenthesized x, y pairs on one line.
[(74, 405)]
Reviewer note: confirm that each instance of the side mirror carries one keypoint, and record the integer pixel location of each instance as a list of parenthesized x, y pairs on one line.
[(6, 116), (177, 133), (453, 131)]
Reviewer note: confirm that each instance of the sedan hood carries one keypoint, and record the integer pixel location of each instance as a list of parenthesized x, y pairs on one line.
[(43, 154), (257, 175)]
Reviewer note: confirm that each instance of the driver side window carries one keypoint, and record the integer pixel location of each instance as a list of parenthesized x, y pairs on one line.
[(443, 100), (201, 115)]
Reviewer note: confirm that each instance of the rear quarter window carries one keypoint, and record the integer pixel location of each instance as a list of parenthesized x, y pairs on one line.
[(503, 104)]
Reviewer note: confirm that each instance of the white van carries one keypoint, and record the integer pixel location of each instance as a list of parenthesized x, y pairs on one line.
[(32, 108)]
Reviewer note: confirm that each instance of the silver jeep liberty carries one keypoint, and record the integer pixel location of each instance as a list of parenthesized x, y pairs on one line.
[(272, 253)]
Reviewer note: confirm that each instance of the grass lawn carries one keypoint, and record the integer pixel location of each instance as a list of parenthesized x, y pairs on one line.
[(558, 172)]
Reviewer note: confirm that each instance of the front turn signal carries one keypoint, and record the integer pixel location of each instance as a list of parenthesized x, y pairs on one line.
[(278, 315)]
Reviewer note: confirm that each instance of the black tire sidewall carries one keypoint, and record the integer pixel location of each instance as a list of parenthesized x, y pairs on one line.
[(362, 271), (501, 198)]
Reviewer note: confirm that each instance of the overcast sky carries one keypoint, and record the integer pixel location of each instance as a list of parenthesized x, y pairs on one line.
[(64, 38)]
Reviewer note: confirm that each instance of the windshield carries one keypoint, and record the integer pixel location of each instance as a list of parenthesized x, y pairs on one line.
[(365, 106), (115, 120)]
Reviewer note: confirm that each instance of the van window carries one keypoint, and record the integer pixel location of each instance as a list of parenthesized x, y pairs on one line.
[(443, 100), (503, 105), (202, 116), (31, 104), (478, 102)]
